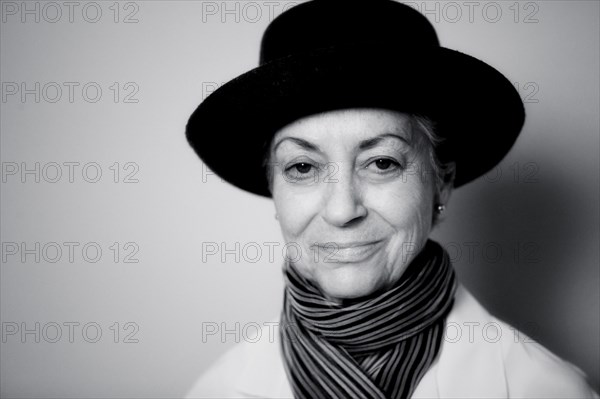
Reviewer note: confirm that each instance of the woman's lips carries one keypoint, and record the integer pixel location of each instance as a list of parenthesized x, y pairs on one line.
[(352, 252)]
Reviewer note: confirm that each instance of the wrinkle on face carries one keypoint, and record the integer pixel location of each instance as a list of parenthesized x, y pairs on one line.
[(359, 202)]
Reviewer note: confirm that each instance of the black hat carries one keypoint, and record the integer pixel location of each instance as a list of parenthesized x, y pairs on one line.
[(325, 55)]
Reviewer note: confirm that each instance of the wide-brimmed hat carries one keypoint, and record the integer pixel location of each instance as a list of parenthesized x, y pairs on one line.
[(325, 55)]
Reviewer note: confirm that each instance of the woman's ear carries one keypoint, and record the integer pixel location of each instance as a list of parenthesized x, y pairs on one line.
[(446, 184)]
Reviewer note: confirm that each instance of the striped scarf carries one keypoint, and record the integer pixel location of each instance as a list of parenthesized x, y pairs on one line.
[(379, 347)]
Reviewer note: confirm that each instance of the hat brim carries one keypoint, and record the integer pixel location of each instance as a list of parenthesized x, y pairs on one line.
[(476, 110)]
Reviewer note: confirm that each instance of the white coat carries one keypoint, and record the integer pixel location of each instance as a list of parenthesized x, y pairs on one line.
[(480, 357)]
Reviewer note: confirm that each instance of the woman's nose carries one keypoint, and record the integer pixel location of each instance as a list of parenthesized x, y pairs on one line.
[(343, 202)]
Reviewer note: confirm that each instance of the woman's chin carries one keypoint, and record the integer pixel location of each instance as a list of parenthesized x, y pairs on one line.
[(348, 282)]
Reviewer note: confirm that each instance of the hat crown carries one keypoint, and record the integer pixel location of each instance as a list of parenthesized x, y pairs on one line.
[(321, 24)]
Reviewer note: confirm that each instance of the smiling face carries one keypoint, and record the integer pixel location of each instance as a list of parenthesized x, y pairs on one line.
[(354, 192)]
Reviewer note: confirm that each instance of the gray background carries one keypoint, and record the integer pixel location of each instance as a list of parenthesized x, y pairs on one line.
[(524, 238)]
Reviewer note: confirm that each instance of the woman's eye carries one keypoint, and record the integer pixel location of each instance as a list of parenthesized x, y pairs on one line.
[(382, 165), (303, 168), (301, 171)]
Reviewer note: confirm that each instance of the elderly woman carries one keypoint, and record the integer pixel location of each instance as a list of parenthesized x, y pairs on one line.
[(359, 125)]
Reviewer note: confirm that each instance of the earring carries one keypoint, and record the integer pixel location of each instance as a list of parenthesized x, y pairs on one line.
[(440, 208)]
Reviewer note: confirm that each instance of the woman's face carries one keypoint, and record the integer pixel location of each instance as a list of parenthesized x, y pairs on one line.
[(354, 195)]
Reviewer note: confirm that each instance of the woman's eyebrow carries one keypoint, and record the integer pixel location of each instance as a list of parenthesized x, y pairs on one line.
[(370, 143), (300, 142), (363, 145)]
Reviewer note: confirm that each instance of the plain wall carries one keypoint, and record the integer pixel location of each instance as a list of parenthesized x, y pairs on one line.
[(524, 238)]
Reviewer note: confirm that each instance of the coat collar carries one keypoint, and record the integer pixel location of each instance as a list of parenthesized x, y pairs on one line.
[(469, 365), (471, 362), (263, 375)]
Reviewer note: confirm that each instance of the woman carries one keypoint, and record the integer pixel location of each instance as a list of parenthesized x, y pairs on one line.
[(359, 125)]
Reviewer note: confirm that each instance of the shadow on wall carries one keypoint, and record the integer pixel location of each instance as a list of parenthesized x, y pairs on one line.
[(526, 244)]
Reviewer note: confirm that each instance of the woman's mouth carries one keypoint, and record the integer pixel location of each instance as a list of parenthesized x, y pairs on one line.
[(350, 252)]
